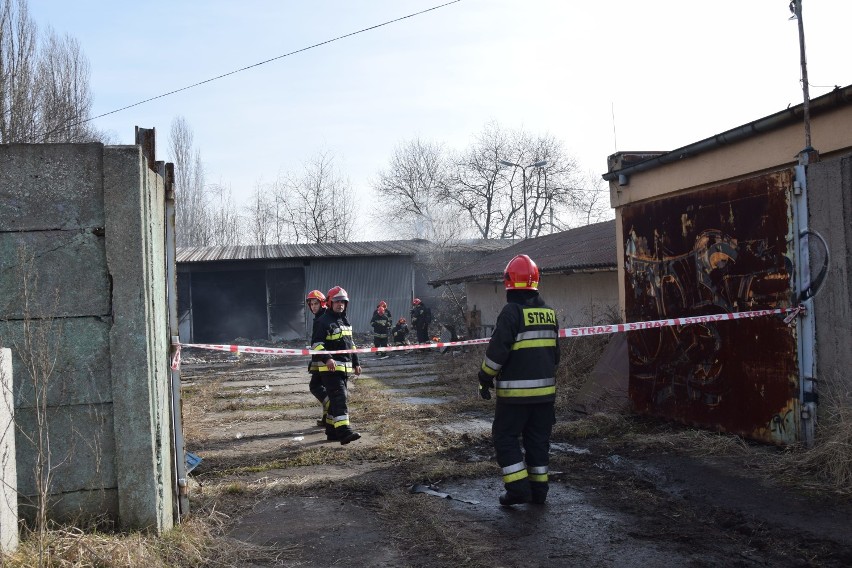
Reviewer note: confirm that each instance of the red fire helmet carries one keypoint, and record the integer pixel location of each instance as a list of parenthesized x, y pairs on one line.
[(316, 295), (521, 274), (337, 294)]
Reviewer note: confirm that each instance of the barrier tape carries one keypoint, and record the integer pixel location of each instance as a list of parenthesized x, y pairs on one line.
[(566, 332)]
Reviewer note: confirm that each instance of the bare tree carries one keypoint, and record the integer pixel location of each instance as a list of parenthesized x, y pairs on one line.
[(192, 215), (224, 225), (411, 188), (44, 86), (267, 215), (542, 186), (476, 185), (322, 206), (259, 216), (593, 205)]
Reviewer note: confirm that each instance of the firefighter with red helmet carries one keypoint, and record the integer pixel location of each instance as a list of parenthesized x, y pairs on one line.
[(522, 356), (315, 300), (421, 317), (381, 323), (400, 332), (332, 332)]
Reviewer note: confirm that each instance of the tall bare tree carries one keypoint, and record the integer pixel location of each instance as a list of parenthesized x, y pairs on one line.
[(260, 216), (322, 206), (476, 185), (44, 85), (224, 224), (510, 184), (192, 209), (267, 215), (544, 185), (411, 187)]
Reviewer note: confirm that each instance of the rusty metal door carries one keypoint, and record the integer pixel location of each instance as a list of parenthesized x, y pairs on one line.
[(724, 249)]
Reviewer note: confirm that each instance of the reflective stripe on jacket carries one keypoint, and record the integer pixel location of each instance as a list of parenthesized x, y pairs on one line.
[(332, 332), (523, 353)]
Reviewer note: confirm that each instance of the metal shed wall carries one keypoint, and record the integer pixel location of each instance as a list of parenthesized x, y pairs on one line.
[(367, 280)]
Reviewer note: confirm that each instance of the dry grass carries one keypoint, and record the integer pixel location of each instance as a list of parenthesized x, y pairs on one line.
[(198, 401), (828, 465), (200, 541)]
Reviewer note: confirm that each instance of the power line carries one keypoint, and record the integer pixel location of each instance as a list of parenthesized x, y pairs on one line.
[(235, 71)]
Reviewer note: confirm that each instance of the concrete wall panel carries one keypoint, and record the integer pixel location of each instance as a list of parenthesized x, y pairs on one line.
[(81, 448), (830, 215), (90, 221), (78, 350), (77, 506), (63, 272), (51, 186), (134, 199)]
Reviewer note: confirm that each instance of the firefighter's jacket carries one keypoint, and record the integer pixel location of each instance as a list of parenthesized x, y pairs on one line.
[(314, 363), (400, 333), (381, 324), (332, 332), (421, 316), (523, 353)]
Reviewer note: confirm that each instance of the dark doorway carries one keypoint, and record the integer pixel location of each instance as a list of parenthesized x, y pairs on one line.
[(228, 305), (286, 303)]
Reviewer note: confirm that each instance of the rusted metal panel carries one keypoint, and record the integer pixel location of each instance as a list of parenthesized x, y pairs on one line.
[(724, 249)]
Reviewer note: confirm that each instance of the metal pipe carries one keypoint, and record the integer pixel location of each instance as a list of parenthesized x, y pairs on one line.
[(806, 336), (179, 452)]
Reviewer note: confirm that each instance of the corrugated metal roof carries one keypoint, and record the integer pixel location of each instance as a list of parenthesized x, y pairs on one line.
[(583, 248), (314, 250)]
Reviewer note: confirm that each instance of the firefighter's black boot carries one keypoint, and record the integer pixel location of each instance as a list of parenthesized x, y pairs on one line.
[(508, 499), (539, 492), (346, 435), (330, 434)]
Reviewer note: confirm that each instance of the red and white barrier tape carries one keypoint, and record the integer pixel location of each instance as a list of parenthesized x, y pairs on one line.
[(566, 332)]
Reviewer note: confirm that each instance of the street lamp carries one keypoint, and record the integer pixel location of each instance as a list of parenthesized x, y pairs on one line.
[(539, 164)]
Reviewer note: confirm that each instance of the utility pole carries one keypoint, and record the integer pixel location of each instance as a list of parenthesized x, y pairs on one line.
[(796, 8)]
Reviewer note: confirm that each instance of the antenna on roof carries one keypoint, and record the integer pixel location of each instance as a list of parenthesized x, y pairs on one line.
[(614, 138)]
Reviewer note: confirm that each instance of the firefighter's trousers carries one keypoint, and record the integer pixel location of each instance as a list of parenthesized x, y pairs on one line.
[(524, 474), (422, 334), (316, 388), (337, 422)]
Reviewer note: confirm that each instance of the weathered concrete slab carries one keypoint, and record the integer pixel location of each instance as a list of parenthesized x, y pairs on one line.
[(82, 446), (81, 365), (51, 186), (8, 463), (76, 506), (830, 215), (134, 201), (63, 273)]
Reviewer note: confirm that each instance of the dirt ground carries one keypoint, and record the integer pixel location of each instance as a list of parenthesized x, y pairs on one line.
[(622, 493)]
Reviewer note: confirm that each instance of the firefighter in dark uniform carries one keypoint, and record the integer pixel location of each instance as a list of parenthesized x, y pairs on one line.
[(522, 355), (421, 317), (315, 301), (332, 332), (400, 332), (381, 322)]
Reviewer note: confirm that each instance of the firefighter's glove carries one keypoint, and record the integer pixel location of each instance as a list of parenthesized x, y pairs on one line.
[(486, 383)]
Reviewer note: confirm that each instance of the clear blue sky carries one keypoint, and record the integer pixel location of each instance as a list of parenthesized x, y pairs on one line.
[(673, 71)]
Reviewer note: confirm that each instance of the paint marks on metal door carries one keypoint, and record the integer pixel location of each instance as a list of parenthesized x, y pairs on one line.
[(723, 249)]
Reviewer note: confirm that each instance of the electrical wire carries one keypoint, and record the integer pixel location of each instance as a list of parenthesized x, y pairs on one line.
[(241, 69)]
